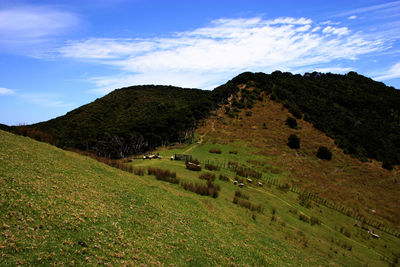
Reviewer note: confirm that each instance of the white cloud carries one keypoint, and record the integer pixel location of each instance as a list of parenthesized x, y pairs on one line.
[(338, 31), (30, 29), (206, 56), (352, 17), (392, 73), (334, 69), (330, 22), (6, 91)]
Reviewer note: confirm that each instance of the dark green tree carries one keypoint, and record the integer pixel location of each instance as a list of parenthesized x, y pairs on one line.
[(291, 122), (294, 141), (324, 153)]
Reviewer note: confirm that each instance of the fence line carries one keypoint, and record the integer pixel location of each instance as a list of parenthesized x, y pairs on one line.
[(327, 203)]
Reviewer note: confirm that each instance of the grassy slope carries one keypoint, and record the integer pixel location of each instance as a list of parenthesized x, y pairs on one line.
[(54, 203), (361, 186)]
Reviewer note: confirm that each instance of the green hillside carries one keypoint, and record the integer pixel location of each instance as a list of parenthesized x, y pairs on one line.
[(127, 121), (57, 207), (361, 115)]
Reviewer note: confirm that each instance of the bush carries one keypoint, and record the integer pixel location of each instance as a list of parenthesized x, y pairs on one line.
[(284, 187), (247, 204), (208, 189), (304, 200), (241, 195), (193, 160), (245, 172), (211, 167), (324, 153), (265, 126), (249, 113), (193, 165), (164, 175), (233, 164), (291, 122), (215, 150), (224, 178), (207, 176), (304, 218), (233, 152), (315, 220), (294, 141)]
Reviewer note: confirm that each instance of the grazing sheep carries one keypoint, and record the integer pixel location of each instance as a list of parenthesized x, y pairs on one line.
[(249, 180), (172, 157), (235, 182), (260, 184), (241, 184)]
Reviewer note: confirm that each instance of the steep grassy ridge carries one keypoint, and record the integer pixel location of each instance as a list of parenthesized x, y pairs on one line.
[(57, 207)]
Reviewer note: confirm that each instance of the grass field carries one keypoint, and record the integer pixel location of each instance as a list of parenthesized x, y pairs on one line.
[(57, 207)]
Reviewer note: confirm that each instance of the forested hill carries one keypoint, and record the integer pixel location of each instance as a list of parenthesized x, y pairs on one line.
[(128, 120), (361, 115)]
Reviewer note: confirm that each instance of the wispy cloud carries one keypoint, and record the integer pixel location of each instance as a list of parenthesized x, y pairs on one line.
[(27, 26), (391, 73), (352, 17), (6, 91), (386, 7), (337, 31), (206, 56), (44, 100)]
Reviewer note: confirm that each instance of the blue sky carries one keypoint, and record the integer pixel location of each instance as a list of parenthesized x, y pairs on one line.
[(58, 55)]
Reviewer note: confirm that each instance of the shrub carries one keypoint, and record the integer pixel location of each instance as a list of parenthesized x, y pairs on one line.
[(315, 220), (211, 167), (215, 150), (192, 160), (304, 218), (164, 175), (304, 200), (233, 152), (284, 187), (241, 195), (233, 164), (249, 113), (193, 165), (247, 204), (291, 122), (208, 189), (294, 141), (245, 172), (265, 125), (224, 178), (207, 176), (324, 153)]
